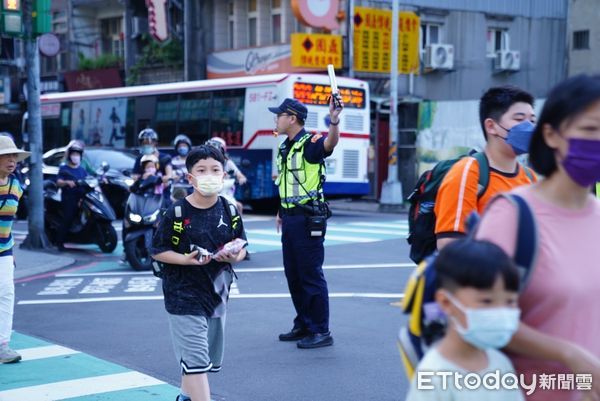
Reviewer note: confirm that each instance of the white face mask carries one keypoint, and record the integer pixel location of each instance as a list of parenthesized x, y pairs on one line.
[(209, 184), (487, 327), (75, 159)]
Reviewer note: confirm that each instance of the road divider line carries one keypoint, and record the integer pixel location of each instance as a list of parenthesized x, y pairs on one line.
[(112, 273), (327, 237), (394, 226), (250, 269), (331, 228), (80, 387), (49, 351), (239, 296)]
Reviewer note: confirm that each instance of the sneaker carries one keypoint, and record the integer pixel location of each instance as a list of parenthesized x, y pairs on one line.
[(7, 355), (316, 340)]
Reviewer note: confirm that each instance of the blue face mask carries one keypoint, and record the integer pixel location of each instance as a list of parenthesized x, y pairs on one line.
[(487, 327), (183, 150), (147, 149), (519, 137)]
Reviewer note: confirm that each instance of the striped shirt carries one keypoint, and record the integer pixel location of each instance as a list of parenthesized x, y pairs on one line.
[(9, 201)]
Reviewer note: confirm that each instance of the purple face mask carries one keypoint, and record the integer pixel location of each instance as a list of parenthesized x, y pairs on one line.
[(582, 162)]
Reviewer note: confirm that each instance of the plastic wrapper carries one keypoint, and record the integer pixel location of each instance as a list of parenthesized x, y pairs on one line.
[(234, 247)]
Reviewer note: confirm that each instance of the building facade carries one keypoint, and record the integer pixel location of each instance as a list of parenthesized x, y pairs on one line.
[(583, 37)]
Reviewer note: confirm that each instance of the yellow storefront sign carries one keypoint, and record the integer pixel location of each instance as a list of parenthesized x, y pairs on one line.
[(373, 41), (316, 50)]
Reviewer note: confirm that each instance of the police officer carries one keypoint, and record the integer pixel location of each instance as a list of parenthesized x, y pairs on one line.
[(302, 215)]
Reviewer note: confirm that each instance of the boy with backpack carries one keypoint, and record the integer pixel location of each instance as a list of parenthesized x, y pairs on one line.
[(198, 240), (445, 196), (477, 289)]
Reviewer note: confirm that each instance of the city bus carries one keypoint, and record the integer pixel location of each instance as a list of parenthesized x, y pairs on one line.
[(235, 109)]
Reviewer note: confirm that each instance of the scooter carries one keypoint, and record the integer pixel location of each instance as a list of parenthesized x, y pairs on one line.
[(140, 221), (93, 225)]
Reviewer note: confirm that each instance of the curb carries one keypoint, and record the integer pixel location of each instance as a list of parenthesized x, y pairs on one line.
[(31, 263)]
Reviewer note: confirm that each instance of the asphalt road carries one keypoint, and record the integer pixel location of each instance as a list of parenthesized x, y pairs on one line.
[(104, 309)]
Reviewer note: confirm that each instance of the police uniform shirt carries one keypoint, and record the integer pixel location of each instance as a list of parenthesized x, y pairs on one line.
[(314, 148), (197, 290)]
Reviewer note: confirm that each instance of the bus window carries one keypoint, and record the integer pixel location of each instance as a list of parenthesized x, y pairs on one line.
[(227, 117), (165, 121), (194, 116)]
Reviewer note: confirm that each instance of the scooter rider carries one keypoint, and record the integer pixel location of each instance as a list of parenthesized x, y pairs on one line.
[(68, 174), (183, 145), (150, 181), (148, 139)]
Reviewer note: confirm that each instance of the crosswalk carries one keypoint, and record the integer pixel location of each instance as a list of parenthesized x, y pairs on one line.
[(50, 372), (267, 239), (263, 240)]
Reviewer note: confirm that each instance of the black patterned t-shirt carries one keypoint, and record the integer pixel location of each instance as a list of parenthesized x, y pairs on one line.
[(197, 290)]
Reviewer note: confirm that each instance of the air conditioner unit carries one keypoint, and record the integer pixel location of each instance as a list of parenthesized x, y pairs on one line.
[(507, 60), (439, 57), (139, 26)]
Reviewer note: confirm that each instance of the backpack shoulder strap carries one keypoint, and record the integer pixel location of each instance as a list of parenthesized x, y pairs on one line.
[(527, 247), (529, 173), (232, 214), (484, 172)]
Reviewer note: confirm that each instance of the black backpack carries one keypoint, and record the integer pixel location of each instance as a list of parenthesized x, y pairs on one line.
[(421, 216)]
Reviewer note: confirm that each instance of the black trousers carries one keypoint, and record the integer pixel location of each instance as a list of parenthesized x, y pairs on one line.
[(303, 263)]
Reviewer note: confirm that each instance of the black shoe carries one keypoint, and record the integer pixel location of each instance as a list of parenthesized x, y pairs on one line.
[(316, 340), (294, 335)]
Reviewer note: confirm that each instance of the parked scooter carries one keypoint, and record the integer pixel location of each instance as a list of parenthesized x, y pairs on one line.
[(140, 222), (93, 224)]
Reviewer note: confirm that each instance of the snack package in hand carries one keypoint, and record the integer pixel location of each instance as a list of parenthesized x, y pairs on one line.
[(202, 253), (234, 247)]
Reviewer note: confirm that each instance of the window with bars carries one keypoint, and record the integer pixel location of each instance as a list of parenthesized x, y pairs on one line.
[(252, 23), (581, 40), (231, 25), (276, 21), (112, 36), (497, 39), (430, 34)]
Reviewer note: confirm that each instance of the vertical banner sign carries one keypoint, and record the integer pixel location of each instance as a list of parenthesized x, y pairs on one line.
[(157, 19), (408, 42), (316, 50), (373, 41)]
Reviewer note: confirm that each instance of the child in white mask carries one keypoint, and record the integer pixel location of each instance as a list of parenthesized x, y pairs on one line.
[(477, 290)]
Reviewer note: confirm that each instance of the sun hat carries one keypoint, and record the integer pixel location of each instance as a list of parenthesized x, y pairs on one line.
[(8, 147)]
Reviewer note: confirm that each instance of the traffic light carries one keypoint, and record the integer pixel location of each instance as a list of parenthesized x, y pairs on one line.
[(11, 21), (42, 16)]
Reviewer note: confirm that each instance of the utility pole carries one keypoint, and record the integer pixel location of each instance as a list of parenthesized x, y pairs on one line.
[(391, 192), (36, 237)]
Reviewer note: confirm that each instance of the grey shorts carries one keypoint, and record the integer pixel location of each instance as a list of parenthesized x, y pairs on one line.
[(198, 342)]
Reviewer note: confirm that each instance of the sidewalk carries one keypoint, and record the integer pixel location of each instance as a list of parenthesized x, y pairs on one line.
[(29, 263)]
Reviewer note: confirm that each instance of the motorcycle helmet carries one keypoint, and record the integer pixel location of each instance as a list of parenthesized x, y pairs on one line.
[(75, 146), (148, 135), (182, 138), (147, 159), (218, 143)]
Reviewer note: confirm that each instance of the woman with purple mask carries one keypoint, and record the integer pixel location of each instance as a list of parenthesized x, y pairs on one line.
[(560, 318)]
